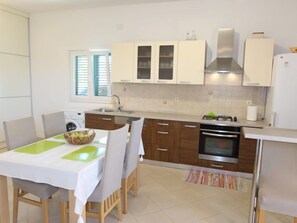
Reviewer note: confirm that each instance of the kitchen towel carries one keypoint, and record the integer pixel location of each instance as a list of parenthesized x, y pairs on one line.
[(251, 113)]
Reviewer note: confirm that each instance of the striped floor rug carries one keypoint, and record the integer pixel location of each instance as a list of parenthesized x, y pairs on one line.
[(217, 180)]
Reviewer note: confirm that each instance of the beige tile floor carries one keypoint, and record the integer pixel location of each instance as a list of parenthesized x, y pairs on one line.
[(165, 197)]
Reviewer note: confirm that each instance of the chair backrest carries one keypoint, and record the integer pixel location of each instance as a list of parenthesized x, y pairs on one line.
[(132, 151), (278, 166), (19, 132), (53, 124), (113, 162)]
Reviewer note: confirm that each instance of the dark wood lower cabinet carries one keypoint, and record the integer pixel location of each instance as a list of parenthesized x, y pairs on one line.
[(247, 153), (147, 138), (178, 142), (189, 143), (95, 121), (165, 140)]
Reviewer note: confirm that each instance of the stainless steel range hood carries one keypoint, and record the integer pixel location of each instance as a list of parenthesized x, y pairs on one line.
[(224, 63)]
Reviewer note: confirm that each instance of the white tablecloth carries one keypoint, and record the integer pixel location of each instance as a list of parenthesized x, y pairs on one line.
[(48, 167)]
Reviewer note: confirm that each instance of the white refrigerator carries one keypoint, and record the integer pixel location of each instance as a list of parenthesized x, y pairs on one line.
[(281, 104)]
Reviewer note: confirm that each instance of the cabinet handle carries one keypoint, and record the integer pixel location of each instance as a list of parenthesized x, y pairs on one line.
[(125, 81), (185, 82), (252, 84), (106, 119), (217, 166), (163, 133), (144, 81), (190, 126), (163, 124), (162, 150), (162, 81)]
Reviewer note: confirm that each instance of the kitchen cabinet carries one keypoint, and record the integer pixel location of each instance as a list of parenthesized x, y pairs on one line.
[(147, 138), (14, 38), (247, 154), (156, 62), (166, 62), (96, 121), (191, 62), (189, 143), (15, 85), (258, 58), (122, 62), (145, 62), (165, 140)]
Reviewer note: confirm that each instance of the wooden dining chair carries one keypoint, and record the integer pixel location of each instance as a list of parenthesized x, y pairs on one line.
[(277, 186), (130, 174), (18, 133), (108, 192), (53, 124)]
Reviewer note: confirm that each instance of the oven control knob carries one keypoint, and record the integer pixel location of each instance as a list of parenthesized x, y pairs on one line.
[(235, 119)]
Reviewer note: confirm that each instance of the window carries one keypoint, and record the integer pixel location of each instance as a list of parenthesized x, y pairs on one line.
[(90, 74)]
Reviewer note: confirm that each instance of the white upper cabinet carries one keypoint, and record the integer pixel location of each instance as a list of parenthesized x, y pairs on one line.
[(122, 62), (166, 62), (145, 58), (258, 60), (14, 36), (191, 62)]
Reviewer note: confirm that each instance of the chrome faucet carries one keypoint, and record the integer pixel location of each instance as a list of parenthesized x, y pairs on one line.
[(119, 102)]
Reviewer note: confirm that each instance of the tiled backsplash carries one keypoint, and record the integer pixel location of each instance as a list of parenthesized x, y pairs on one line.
[(191, 99)]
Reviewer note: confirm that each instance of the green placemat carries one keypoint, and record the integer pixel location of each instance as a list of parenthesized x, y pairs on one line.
[(85, 154), (59, 136), (39, 147)]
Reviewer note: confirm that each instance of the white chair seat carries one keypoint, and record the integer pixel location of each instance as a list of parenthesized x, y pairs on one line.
[(43, 191), (273, 198)]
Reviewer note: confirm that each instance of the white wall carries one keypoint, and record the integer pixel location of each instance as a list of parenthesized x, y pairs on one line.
[(53, 34)]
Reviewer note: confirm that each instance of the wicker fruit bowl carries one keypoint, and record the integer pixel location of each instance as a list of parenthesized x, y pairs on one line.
[(79, 137)]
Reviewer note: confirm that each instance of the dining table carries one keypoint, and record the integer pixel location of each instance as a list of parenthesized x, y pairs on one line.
[(77, 168)]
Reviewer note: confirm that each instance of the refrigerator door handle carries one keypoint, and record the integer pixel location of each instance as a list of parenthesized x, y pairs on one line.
[(273, 116)]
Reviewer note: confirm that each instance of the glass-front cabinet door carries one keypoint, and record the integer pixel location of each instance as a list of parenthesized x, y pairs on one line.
[(166, 62), (145, 59)]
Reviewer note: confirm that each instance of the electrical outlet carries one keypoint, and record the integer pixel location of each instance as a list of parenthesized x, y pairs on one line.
[(176, 99), (248, 102)]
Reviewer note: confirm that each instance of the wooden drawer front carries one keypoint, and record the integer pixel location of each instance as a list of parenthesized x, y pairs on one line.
[(190, 131), (165, 153), (163, 138), (218, 165), (99, 121), (223, 166)]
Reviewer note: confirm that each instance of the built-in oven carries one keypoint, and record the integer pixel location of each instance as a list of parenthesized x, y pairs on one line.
[(219, 143)]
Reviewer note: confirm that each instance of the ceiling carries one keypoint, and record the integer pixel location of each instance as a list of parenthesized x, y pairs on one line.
[(31, 6)]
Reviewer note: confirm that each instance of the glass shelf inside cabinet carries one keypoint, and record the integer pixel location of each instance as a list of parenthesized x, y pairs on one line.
[(144, 58), (166, 62)]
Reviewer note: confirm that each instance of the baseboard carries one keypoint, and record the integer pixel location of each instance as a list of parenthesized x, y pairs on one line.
[(190, 167)]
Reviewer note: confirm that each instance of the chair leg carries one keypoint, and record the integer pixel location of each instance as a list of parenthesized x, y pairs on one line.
[(135, 187), (101, 212), (262, 215), (125, 195), (120, 215), (295, 219), (45, 210), (15, 205), (63, 212)]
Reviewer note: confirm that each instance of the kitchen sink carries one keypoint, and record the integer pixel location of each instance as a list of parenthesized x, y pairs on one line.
[(109, 110)]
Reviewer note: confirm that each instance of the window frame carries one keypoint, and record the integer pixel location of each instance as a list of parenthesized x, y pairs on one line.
[(91, 77)]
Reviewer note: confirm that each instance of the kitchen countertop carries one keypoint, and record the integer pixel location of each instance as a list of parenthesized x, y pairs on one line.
[(271, 134), (181, 117)]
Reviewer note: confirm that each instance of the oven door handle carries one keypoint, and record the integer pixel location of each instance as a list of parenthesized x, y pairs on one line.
[(219, 135)]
